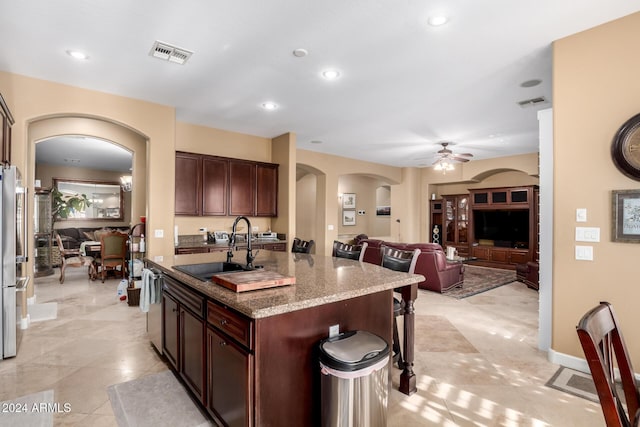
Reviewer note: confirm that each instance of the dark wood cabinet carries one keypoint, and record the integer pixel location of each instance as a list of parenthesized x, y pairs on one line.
[(171, 329), (435, 225), (280, 247), (6, 121), (504, 225), (184, 334), (255, 372), (215, 181), (229, 380), (219, 186), (188, 189), (242, 188), (456, 222), (266, 190), (230, 341), (192, 352)]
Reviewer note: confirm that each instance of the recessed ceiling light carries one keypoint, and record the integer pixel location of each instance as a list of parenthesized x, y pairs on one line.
[(269, 106), (299, 53), (331, 74), (531, 83), (77, 54), (437, 20)]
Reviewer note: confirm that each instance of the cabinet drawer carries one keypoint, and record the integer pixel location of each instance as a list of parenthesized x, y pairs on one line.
[(231, 323), (281, 247), (185, 297), (182, 251), (519, 257)]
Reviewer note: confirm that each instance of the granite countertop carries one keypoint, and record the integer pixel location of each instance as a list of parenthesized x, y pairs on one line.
[(319, 280)]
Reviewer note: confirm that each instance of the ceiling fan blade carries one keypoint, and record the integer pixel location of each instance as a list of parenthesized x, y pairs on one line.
[(464, 154), (459, 159)]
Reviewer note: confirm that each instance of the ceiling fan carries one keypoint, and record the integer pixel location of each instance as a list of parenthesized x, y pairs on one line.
[(447, 157)]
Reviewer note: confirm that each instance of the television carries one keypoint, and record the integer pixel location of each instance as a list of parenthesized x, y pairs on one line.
[(506, 228)]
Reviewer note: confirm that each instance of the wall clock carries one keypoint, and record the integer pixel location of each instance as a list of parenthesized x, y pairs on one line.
[(625, 150)]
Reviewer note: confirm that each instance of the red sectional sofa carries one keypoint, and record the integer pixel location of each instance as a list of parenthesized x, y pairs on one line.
[(432, 263)]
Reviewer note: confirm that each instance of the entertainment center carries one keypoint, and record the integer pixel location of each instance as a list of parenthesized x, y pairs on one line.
[(496, 227)]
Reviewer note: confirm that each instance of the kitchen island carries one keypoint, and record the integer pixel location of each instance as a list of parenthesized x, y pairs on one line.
[(251, 358)]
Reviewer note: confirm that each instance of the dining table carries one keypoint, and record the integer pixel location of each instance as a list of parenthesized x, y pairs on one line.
[(90, 247)]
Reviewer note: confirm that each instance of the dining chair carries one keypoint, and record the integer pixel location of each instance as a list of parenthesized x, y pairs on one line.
[(73, 258), (113, 253), (302, 246), (405, 261), (344, 250), (603, 345)]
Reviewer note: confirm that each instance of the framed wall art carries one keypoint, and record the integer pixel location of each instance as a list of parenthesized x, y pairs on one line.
[(625, 224), (348, 217), (383, 210), (349, 201)]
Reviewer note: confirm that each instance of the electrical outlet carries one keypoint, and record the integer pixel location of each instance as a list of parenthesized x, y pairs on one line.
[(334, 331), (158, 258)]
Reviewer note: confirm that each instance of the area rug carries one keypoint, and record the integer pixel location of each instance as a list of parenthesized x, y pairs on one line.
[(574, 382), (481, 279), (155, 400), (33, 410)]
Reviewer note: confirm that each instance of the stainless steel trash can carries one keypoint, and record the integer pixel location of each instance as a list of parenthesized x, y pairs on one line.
[(355, 380)]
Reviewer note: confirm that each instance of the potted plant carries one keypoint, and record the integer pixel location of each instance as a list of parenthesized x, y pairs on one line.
[(65, 204)]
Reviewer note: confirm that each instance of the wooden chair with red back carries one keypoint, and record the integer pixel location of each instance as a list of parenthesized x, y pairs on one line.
[(604, 349)]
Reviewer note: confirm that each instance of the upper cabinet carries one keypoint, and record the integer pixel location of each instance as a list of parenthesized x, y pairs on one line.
[(266, 189), (210, 185), (6, 121), (188, 184), (501, 197), (242, 188), (215, 182)]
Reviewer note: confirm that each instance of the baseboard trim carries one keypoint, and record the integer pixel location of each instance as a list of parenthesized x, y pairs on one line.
[(576, 363)]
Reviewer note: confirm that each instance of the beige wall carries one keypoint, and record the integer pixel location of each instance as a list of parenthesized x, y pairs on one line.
[(32, 101), (595, 90), (328, 170), (306, 209), (365, 189)]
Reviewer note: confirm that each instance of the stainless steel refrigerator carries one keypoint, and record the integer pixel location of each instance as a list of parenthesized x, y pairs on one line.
[(13, 252)]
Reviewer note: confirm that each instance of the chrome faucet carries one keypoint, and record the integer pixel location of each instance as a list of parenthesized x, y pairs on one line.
[(232, 241)]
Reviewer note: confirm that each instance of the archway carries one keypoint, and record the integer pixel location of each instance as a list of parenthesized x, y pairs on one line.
[(46, 127)]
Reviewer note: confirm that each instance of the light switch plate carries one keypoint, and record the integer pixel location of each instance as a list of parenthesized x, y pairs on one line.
[(330, 227), (158, 233), (587, 234), (584, 253), (581, 215)]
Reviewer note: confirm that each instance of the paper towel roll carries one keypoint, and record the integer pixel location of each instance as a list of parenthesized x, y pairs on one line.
[(175, 235)]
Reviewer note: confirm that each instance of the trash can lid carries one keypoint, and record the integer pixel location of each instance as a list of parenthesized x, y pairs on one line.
[(353, 350)]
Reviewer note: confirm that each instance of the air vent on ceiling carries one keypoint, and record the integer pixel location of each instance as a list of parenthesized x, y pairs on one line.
[(170, 53), (532, 102)]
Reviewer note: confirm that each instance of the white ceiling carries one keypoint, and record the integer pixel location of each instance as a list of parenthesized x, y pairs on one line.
[(404, 85)]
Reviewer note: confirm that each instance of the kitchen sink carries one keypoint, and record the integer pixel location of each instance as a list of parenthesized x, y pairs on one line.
[(205, 270)]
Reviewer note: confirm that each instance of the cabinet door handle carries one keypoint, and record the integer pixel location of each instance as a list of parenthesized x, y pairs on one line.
[(175, 310), (223, 322), (222, 343)]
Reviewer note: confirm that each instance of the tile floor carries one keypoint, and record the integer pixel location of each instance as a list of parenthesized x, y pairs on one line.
[(476, 359)]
